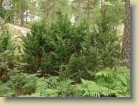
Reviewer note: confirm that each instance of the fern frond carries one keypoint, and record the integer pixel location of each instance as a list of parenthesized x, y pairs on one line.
[(107, 72)]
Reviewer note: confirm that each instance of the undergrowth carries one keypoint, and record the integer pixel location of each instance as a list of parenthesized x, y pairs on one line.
[(107, 83)]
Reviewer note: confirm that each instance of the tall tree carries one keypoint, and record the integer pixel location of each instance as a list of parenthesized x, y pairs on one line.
[(88, 8), (1, 3), (125, 55), (22, 12), (53, 9), (1, 8), (46, 8)]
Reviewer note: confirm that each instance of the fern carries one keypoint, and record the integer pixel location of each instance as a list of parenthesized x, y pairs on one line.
[(107, 72), (104, 85), (91, 88), (116, 79), (107, 83), (51, 93)]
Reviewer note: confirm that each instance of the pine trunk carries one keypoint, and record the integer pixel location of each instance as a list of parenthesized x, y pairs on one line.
[(125, 54), (88, 8), (1, 8), (22, 13), (46, 8)]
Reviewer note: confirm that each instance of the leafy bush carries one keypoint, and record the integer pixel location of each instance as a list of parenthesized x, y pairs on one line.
[(69, 50), (47, 48)]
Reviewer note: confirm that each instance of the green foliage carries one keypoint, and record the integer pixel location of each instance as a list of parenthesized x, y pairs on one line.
[(107, 83), (52, 87), (48, 47), (68, 59), (105, 42), (19, 84), (117, 79), (7, 57), (6, 50), (92, 89), (4, 40), (34, 46), (6, 90)]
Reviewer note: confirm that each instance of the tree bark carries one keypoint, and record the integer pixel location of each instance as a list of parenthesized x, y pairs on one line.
[(88, 8), (22, 13), (1, 1), (53, 10), (125, 54), (46, 8)]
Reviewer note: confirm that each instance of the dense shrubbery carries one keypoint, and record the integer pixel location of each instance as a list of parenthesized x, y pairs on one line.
[(70, 50), (63, 59)]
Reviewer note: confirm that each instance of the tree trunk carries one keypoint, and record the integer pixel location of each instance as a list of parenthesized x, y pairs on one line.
[(32, 11), (1, 1), (88, 8), (22, 13), (26, 17), (125, 54), (53, 10), (46, 8)]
